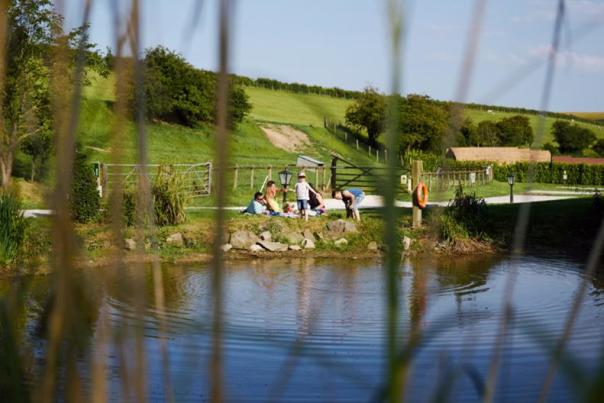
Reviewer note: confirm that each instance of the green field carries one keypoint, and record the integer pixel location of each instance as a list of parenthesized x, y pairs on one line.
[(299, 109)]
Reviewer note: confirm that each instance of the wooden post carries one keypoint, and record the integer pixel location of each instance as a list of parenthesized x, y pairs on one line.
[(377, 155), (369, 151), (317, 177), (357, 144), (417, 168), (104, 180), (252, 178), (385, 156), (323, 181), (235, 177), (334, 168), (346, 137)]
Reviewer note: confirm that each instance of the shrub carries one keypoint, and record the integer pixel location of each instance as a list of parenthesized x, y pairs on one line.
[(129, 205), (169, 197), (85, 199), (470, 211), (465, 216), (177, 92), (12, 228)]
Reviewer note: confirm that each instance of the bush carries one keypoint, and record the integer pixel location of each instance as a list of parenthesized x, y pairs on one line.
[(465, 216), (169, 197), (177, 92), (12, 228), (572, 138), (545, 172), (85, 199)]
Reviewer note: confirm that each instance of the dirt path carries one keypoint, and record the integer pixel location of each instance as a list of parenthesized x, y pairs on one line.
[(286, 137)]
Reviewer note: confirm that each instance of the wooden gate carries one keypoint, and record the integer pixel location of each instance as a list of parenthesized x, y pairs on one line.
[(345, 174)]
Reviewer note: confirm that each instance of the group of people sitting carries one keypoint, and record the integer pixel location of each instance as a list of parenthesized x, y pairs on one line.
[(309, 201)]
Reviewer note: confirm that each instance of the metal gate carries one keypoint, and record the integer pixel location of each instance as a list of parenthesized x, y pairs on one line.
[(197, 178)]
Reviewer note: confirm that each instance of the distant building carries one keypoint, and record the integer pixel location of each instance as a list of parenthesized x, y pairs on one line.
[(567, 159), (500, 155)]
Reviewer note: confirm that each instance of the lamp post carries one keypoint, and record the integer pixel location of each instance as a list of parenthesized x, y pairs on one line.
[(285, 177), (511, 179)]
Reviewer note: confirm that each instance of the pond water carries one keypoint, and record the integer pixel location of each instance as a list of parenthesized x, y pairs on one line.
[(314, 330)]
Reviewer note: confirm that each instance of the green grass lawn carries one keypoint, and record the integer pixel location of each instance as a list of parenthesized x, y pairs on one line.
[(299, 109)]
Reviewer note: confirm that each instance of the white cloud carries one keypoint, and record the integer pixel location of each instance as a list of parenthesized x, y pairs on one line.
[(584, 62)]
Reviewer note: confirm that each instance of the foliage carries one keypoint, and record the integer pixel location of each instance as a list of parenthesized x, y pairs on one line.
[(553, 149), (297, 87), (511, 131), (34, 31), (423, 123), (515, 131), (572, 138), (487, 134), (465, 216), (368, 112), (169, 197), (545, 172), (129, 205), (12, 228), (85, 199), (598, 147), (177, 92)]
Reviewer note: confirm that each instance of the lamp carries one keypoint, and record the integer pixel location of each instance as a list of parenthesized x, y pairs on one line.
[(511, 179), (285, 177)]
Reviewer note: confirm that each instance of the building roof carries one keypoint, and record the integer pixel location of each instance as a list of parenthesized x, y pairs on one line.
[(567, 159), (498, 154)]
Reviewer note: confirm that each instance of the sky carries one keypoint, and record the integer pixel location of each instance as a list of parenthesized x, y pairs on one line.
[(345, 43)]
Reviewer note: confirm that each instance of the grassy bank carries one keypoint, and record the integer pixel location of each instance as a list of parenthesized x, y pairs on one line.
[(565, 227)]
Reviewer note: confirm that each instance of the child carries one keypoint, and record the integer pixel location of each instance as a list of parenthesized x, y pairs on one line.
[(303, 191), (352, 198)]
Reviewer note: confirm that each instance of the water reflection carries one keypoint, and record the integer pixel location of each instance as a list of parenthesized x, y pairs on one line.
[(314, 329)]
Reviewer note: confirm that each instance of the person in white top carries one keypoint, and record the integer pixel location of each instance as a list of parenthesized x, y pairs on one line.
[(303, 190)]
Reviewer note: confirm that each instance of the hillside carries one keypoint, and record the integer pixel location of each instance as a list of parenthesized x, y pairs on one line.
[(168, 143), (305, 112), (288, 107)]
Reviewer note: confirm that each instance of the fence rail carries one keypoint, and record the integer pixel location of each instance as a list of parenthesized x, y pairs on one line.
[(197, 177)]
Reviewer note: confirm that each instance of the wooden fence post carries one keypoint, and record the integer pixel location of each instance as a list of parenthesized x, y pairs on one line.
[(369, 150), (236, 177), (385, 156), (417, 168), (377, 155), (357, 144), (334, 168)]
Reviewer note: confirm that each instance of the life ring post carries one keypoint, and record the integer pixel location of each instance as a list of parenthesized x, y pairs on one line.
[(417, 169)]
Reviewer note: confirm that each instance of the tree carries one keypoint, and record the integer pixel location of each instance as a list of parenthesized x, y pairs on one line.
[(368, 112), (34, 28), (551, 148), (423, 123), (85, 199), (599, 147), (572, 138), (179, 93), (487, 134), (515, 131)]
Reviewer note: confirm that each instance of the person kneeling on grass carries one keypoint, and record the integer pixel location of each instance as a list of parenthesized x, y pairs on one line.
[(303, 191), (352, 198), (257, 205)]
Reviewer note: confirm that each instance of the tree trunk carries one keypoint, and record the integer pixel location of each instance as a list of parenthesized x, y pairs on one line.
[(33, 169), (6, 168)]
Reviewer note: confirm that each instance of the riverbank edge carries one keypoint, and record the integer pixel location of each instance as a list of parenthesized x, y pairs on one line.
[(191, 242)]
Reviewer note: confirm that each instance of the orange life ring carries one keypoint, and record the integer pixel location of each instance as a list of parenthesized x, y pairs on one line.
[(420, 195)]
